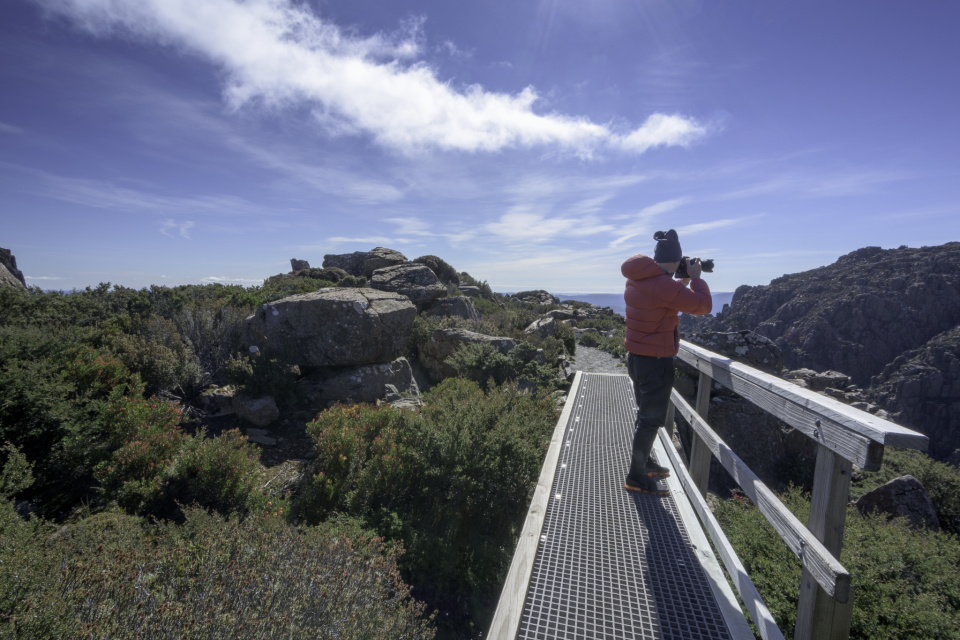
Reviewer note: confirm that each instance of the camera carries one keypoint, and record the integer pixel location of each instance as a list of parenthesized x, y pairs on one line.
[(706, 265)]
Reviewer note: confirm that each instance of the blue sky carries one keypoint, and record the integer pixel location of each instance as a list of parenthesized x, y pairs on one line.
[(534, 144)]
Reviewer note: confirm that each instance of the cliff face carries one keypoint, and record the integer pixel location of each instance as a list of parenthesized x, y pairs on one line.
[(887, 318), (9, 274)]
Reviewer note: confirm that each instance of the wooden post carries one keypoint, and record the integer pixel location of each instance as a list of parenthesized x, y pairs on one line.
[(699, 451), (820, 617)]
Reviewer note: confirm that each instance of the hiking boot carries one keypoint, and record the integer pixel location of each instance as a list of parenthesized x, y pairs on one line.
[(644, 485), (656, 471)]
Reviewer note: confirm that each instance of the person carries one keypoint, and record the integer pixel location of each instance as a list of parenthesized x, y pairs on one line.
[(654, 299)]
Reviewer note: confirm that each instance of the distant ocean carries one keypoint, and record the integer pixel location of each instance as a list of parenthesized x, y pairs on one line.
[(615, 300)]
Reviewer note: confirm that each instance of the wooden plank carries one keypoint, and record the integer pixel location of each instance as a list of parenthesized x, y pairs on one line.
[(873, 427), (762, 618), (824, 568), (506, 619), (856, 435), (699, 451), (818, 615)]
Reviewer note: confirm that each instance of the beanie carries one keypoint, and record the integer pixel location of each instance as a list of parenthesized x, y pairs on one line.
[(668, 247)]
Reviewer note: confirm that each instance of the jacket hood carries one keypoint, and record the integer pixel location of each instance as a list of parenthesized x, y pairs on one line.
[(641, 267)]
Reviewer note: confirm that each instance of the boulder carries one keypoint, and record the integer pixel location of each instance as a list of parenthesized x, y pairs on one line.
[(446, 273), (298, 265), (218, 401), (458, 307), (352, 263), (444, 342), (902, 497), (470, 290), (261, 436), (415, 281), (332, 327), (9, 274), (257, 411), (330, 274), (381, 257), (543, 327), (367, 383)]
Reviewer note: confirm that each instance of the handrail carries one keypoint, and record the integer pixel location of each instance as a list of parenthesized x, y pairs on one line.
[(827, 570), (845, 435), (856, 435)]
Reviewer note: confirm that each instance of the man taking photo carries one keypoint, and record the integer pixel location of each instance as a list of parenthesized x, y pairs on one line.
[(653, 300)]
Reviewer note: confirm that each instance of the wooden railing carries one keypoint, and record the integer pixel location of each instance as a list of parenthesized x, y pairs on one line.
[(844, 436)]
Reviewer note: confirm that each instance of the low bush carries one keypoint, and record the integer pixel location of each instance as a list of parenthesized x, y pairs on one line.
[(444, 272), (905, 581), (212, 577), (452, 483), (220, 473)]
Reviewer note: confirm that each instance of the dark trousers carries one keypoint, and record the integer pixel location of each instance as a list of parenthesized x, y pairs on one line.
[(652, 383)]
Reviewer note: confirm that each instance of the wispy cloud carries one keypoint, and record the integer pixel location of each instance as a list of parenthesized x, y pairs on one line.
[(642, 220), (171, 227), (43, 278), (278, 53), (9, 128)]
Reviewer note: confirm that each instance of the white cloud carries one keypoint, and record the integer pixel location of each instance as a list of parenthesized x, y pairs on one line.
[(278, 53), (523, 224), (42, 278), (170, 226), (643, 219)]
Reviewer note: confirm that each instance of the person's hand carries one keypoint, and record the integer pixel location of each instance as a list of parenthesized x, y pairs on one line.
[(685, 281), (693, 267)]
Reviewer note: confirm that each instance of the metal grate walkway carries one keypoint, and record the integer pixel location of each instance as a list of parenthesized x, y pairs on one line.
[(614, 564)]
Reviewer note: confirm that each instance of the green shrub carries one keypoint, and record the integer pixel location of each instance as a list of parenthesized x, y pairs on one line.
[(262, 375), (452, 483), (905, 582), (209, 578), (16, 472), (218, 473), (444, 272), (159, 355), (565, 334)]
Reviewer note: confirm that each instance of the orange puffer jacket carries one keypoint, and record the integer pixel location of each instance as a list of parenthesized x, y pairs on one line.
[(653, 300)]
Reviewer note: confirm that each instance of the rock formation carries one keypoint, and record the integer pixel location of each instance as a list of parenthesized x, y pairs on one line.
[(888, 319), (415, 281), (332, 327), (442, 344), (9, 274), (380, 258), (366, 383), (538, 296), (903, 497), (458, 307)]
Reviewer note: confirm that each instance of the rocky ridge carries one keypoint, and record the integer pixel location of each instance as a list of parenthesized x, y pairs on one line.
[(889, 319)]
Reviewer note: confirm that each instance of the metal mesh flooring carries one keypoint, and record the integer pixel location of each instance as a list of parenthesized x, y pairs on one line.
[(612, 563)]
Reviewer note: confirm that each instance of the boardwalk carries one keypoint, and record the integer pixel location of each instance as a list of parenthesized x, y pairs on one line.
[(609, 563)]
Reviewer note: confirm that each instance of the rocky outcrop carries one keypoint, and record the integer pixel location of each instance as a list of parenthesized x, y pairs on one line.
[(332, 327), (415, 281), (367, 383), (298, 265), (9, 274), (352, 263), (576, 312), (470, 290), (457, 307), (538, 296), (921, 390), (380, 258), (446, 273), (888, 319), (444, 342), (903, 497), (329, 274), (544, 327)]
